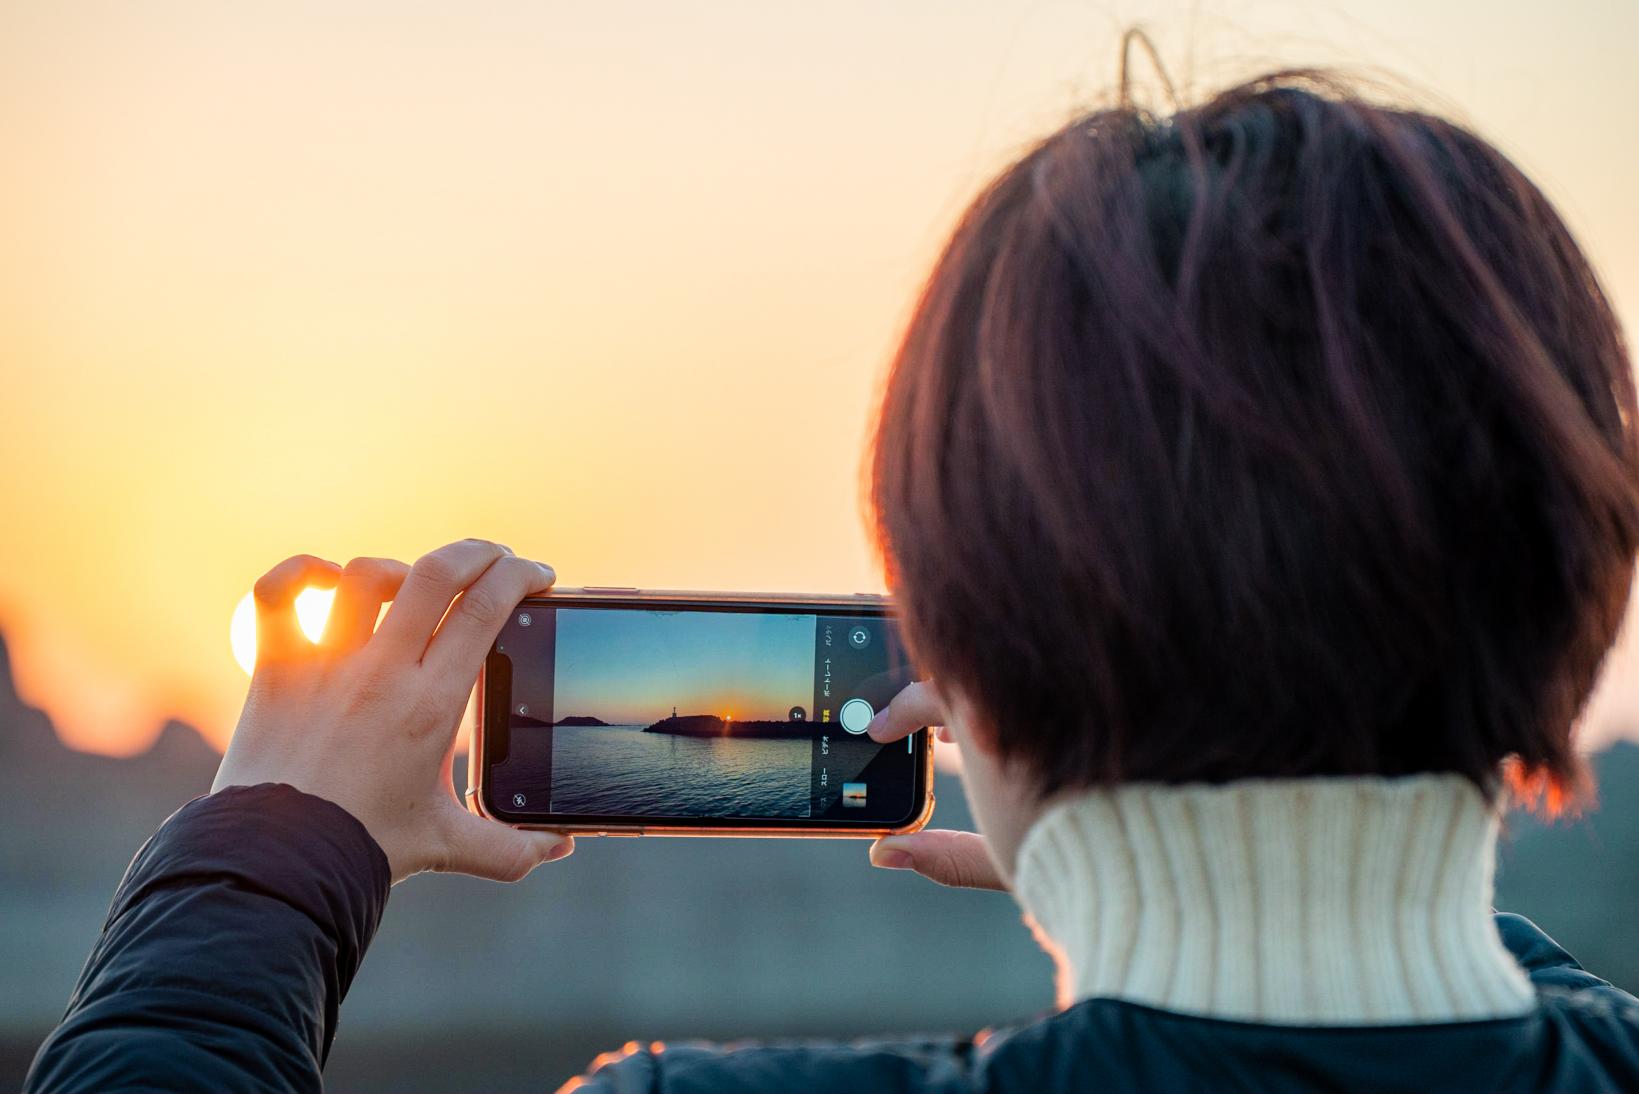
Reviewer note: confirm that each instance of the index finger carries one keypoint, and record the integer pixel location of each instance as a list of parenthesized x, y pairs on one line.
[(433, 583), (464, 638), (918, 705)]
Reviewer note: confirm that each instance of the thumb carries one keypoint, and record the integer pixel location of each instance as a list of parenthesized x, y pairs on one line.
[(489, 849), (958, 859)]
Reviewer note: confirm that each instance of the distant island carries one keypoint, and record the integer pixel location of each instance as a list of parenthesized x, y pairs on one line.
[(709, 725), (529, 721)]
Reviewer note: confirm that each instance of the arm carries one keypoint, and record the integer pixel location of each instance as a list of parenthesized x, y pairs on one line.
[(238, 927), (228, 949)]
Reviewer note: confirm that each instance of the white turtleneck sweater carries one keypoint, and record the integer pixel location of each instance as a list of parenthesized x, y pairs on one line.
[(1337, 901)]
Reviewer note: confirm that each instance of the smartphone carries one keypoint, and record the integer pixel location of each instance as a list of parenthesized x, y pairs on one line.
[(624, 712)]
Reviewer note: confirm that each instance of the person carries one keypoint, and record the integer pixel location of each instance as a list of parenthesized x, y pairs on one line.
[(1260, 487)]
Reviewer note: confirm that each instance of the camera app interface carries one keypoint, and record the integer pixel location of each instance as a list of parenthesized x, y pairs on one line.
[(627, 712)]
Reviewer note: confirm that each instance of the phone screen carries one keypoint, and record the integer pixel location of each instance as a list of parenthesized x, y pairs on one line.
[(698, 715)]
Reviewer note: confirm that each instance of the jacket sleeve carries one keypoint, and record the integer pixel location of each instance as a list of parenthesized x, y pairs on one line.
[(1545, 961), (226, 953)]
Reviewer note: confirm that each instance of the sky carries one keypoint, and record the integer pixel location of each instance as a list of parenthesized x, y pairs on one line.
[(633, 667), (612, 283)]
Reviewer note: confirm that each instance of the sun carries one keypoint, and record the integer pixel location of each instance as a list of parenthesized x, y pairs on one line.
[(312, 609)]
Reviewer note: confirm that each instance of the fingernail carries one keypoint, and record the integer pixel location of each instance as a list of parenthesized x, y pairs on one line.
[(563, 849), (874, 726), (891, 859)]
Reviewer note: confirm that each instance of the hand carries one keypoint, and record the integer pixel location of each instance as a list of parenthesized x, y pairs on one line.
[(368, 720), (958, 859)]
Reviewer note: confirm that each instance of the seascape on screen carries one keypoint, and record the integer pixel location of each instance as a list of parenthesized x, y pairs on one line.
[(661, 713), (623, 769)]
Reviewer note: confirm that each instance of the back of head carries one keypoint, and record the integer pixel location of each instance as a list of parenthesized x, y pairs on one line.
[(1286, 435)]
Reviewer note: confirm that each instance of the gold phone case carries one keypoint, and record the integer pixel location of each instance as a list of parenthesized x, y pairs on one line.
[(685, 599)]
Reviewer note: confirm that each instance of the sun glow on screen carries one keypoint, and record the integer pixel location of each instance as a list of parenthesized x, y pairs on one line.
[(312, 609)]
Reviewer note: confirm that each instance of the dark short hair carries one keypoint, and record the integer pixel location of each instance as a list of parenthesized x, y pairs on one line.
[(1286, 435)]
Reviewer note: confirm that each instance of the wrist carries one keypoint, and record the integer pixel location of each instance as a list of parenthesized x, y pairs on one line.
[(292, 824)]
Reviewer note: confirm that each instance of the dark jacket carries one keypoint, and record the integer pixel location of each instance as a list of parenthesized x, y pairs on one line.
[(236, 931)]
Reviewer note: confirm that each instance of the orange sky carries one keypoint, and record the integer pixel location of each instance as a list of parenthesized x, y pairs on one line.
[(611, 283)]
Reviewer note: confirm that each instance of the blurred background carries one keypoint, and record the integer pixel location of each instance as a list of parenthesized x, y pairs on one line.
[(614, 284)]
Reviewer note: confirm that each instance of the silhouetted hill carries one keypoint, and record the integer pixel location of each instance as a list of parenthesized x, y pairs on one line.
[(179, 745), (26, 734), (67, 815), (581, 720), (27, 737)]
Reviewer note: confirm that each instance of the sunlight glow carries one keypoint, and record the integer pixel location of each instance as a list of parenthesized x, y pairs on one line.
[(312, 609), (290, 301)]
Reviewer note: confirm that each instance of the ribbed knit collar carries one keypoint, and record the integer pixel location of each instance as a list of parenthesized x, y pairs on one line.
[(1339, 901)]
